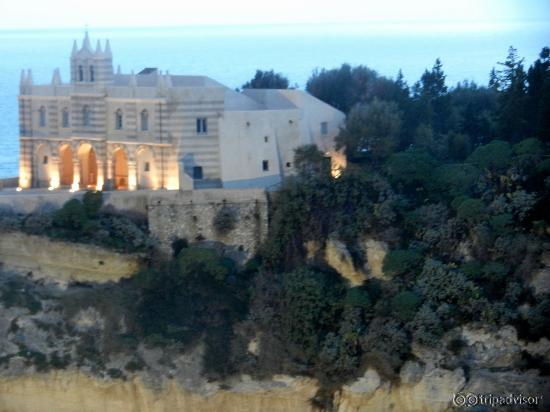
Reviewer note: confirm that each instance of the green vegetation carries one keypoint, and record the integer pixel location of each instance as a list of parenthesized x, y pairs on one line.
[(266, 80), (86, 221), (401, 262), (454, 180), (225, 220)]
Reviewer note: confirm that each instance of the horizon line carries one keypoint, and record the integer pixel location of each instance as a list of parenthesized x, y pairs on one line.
[(371, 23)]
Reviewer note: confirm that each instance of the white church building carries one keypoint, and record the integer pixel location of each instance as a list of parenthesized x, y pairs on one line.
[(152, 130)]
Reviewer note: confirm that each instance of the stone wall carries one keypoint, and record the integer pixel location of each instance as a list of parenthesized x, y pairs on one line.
[(190, 214), (173, 214), (29, 201), (63, 261)]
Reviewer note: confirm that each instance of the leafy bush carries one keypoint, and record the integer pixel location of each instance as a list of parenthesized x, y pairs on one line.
[(454, 179), (426, 326), (15, 293), (412, 167), (196, 263), (71, 216), (538, 317), (225, 220), (357, 298), (494, 156), (92, 202), (401, 262), (306, 302), (471, 210), (38, 223), (502, 223), (386, 344), (443, 284), (404, 305), (529, 149)]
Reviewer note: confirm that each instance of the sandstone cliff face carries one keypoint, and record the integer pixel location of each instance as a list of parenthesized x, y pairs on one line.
[(63, 261), (73, 391)]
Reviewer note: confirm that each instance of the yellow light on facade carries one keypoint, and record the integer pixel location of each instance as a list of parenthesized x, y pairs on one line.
[(54, 181)]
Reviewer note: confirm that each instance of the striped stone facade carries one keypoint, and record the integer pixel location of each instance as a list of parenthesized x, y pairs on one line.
[(153, 130)]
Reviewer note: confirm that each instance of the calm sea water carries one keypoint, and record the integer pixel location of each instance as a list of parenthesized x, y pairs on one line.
[(231, 55)]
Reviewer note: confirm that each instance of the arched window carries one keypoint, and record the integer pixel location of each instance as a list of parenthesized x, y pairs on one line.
[(144, 120), (65, 117), (118, 119), (92, 74), (86, 116), (42, 116), (80, 73)]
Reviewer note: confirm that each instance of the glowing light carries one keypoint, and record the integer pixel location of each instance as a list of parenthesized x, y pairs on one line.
[(338, 163), (54, 181), (132, 182), (99, 185), (19, 188), (23, 181), (173, 183)]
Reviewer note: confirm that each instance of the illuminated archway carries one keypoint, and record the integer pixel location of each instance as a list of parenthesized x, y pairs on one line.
[(120, 166), (88, 166), (66, 168)]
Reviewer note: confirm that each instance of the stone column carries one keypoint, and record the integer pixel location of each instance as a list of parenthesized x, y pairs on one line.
[(54, 173), (76, 175), (132, 175), (25, 164), (100, 175), (109, 184)]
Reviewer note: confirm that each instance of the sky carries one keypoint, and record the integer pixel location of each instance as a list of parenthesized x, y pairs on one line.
[(59, 14)]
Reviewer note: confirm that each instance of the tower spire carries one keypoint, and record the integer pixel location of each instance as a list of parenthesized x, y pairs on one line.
[(29, 77), (56, 78), (98, 47), (75, 48), (86, 43), (108, 48), (23, 78)]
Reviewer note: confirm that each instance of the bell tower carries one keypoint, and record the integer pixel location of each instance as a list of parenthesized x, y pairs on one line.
[(91, 67)]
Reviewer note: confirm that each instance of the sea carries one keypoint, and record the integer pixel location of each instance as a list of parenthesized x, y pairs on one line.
[(231, 54)]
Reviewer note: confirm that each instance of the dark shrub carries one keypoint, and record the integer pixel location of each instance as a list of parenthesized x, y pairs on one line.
[(38, 223), (386, 343), (178, 245), (471, 210), (92, 202), (357, 298), (401, 262), (225, 220), (306, 305), (71, 216), (426, 326), (494, 156), (443, 284), (404, 305)]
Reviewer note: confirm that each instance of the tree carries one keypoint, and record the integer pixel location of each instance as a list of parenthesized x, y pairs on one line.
[(538, 96), (413, 167), (511, 112), (267, 80), (347, 86), (495, 156), (433, 103), (371, 130), (309, 161)]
